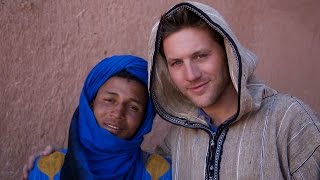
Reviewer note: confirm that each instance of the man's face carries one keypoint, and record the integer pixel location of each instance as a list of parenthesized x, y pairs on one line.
[(120, 105), (197, 65)]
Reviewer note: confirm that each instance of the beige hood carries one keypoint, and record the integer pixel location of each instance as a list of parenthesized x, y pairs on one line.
[(176, 108)]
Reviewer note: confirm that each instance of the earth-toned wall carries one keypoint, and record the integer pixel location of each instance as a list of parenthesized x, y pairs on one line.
[(48, 47)]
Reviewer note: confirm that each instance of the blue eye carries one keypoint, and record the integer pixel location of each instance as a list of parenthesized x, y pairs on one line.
[(176, 63), (201, 56)]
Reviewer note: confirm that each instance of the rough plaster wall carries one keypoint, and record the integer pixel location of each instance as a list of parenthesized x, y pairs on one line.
[(48, 47)]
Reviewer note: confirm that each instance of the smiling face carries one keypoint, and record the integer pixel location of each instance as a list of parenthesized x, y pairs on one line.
[(197, 65), (120, 105)]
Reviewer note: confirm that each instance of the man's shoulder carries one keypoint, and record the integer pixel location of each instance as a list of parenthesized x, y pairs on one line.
[(284, 110), (283, 102)]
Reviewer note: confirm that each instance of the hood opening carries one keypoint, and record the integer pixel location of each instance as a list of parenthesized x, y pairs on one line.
[(170, 104)]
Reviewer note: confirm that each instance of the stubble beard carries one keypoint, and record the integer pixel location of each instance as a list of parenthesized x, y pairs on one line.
[(212, 96)]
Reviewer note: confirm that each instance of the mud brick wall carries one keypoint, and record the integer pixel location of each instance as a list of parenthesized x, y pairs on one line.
[(48, 47)]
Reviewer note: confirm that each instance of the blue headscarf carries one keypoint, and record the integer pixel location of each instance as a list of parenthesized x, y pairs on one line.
[(93, 152)]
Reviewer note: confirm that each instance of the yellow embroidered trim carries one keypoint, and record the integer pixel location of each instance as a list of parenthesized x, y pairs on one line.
[(51, 164), (157, 166)]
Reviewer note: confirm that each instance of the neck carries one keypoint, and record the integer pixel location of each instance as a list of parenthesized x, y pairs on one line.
[(225, 107)]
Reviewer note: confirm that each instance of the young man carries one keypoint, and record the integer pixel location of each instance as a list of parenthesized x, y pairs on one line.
[(228, 125), (108, 127)]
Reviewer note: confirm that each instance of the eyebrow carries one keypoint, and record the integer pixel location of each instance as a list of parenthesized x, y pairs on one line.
[(136, 100), (200, 51)]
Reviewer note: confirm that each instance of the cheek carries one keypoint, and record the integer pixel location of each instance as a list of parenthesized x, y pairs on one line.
[(98, 115), (176, 77), (100, 110), (135, 120), (211, 69)]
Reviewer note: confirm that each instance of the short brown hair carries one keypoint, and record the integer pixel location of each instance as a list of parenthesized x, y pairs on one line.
[(183, 18)]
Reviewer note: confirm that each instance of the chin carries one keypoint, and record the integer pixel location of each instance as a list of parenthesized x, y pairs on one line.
[(201, 103), (204, 101)]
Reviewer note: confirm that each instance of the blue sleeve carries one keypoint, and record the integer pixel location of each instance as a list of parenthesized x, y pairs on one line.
[(168, 174), (158, 167), (48, 166)]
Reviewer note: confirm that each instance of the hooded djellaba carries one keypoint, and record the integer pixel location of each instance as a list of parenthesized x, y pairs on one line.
[(271, 135)]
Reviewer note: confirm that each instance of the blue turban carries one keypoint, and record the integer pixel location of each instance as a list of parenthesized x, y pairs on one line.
[(93, 152)]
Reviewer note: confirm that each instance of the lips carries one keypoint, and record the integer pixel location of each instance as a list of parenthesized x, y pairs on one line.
[(198, 88), (112, 126), (114, 129)]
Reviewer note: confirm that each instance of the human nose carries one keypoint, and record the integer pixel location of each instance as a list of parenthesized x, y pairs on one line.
[(192, 71), (117, 111)]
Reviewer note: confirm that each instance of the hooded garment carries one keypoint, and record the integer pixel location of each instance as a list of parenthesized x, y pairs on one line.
[(271, 136), (95, 153)]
